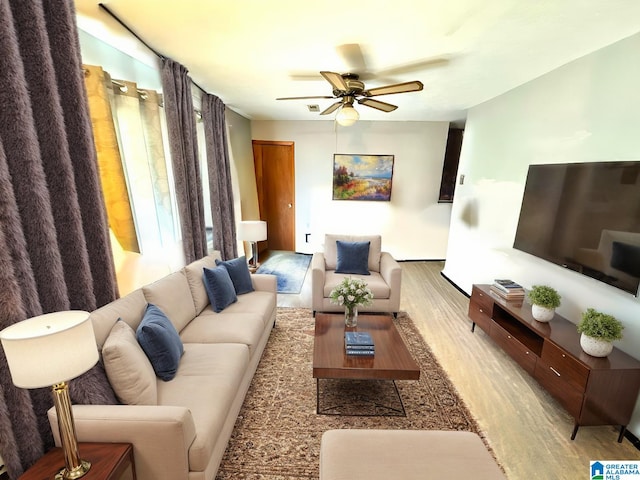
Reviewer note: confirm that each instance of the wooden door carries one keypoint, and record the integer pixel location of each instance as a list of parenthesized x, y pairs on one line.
[(275, 181)]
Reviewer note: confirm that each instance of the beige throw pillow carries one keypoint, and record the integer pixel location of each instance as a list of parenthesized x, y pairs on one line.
[(128, 368)]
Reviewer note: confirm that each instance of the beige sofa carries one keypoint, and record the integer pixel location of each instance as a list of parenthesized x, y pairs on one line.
[(179, 428), (384, 280)]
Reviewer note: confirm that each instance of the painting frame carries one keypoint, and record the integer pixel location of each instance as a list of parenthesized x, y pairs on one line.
[(362, 177)]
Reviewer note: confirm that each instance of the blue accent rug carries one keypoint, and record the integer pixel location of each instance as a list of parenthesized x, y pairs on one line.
[(289, 268)]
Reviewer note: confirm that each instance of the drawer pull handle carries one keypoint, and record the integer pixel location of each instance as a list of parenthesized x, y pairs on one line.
[(482, 295), (555, 371), (564, 356), (526, 353), (481, 311), (508, 336)]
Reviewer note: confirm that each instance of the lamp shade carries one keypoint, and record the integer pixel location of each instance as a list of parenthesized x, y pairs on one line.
[(49, 349), (347, 116), (252, 230)]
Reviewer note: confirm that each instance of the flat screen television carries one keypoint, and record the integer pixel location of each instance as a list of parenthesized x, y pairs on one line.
[(584, 217)]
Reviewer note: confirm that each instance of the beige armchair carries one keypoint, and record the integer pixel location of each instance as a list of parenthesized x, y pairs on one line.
[(384, 279)]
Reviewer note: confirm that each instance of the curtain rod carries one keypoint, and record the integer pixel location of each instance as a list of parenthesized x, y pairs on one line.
[(155, 52)]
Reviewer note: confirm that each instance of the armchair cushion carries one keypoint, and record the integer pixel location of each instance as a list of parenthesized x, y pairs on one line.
[(352, 257), (375, 282), (331, 249)]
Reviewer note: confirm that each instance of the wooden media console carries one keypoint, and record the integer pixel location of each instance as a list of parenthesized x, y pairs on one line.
[(595, 391)]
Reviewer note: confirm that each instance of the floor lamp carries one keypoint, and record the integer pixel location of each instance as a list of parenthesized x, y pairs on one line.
[(49, 350), (253, 231)]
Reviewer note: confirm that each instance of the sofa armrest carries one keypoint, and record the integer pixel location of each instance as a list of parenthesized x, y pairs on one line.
[(265, 282), (391, 272), (317, 280), (161, 435)]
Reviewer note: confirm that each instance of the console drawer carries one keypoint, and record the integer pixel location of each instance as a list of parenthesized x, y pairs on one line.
[(480, 315), (556, 385), (516, 350), (482, 299), (570, 369)]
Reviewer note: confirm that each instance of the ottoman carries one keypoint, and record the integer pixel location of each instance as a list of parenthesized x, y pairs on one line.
[(406, 455)]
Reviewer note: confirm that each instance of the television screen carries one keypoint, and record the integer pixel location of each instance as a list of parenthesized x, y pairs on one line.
[(584, 217)]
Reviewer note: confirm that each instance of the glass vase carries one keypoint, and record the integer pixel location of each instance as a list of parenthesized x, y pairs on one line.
[(350, 316)]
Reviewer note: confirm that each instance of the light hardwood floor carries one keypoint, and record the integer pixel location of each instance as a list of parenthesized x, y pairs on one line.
[(527, 429)]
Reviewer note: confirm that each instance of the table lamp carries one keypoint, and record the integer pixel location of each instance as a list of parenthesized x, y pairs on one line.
[(49, 350), (253, 231)]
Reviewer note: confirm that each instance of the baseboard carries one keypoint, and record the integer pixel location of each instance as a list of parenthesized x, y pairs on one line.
[(635, 441), (421, 260), (454, 285)]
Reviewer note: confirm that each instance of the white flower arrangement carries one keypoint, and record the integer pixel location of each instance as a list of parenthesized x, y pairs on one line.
[(351, 293)]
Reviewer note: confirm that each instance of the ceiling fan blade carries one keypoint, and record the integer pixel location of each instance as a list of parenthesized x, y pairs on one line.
[(377, 104), (353, 58), (335, 79), (406, 68), (303, 98), (331, 108), (413, 86)]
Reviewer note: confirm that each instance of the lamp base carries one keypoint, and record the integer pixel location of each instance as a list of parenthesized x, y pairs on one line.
[(77, 472)]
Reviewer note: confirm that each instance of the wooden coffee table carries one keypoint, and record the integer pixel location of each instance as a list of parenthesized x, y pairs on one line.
[(392, 360)]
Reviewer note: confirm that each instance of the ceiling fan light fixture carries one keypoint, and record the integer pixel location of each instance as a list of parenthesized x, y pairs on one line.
[(347, 115)]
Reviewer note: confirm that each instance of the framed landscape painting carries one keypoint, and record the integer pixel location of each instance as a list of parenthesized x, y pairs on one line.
[(362, 177)]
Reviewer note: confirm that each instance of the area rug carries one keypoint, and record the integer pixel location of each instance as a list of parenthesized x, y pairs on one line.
[(289, 268), (277, 434)]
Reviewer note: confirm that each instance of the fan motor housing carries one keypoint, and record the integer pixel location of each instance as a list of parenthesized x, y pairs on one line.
[(354, 86)]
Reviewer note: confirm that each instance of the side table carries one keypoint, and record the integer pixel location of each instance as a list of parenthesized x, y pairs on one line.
[(109, 461)]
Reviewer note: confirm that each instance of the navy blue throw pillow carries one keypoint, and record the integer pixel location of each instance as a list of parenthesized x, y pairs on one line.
[(160, 341), (220, 289), (239, 273), (353, 257)]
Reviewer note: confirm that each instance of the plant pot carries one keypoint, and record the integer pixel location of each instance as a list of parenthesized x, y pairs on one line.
[(594, 346), (542, 314)]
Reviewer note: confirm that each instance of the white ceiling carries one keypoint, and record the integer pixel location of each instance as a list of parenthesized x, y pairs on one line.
[(248, 52)]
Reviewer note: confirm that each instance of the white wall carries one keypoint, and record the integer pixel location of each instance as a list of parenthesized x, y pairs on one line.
[(413, 225), (584, 111)]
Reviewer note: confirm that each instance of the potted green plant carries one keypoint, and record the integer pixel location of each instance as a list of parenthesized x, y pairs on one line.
[(544, 301), (598, 331)]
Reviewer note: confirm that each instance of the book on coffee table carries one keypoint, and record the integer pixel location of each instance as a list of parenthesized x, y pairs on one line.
[(352, 339), (358, 343)]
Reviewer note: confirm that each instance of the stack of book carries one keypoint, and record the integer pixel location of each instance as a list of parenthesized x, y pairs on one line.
[(507, 289), (358, 343)]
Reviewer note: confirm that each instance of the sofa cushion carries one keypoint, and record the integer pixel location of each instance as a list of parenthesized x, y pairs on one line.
[(129, 308), (219, 288), (239, 272), (160, 341), (193, 272), (211, 327), (215, 372), (331, 251), (375, 282), (352, 257), (128, 368), (172, 295)]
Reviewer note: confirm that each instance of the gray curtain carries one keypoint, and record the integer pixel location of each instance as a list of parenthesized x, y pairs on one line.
[(181, 123), (54, 243), (220, 187)]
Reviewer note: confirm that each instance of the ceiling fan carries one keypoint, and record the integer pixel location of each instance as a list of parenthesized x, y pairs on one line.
[(349, 89)]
